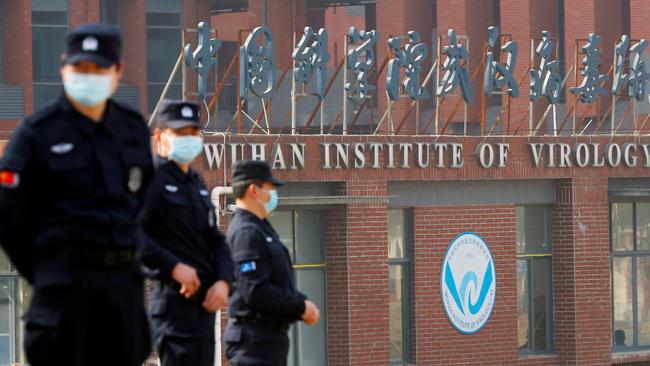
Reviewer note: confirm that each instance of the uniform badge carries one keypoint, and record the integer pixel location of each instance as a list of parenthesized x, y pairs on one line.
[(247, 267), (135, 179), (90, 44), (269, 239), (62, 148), (204, 192), (187, 112), (171, 189), (9, 179)]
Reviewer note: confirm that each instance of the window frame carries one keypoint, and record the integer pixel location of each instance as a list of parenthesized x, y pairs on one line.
[(47, 83), (634, 255), (177, 82), (16, 352), (294, 352), (531, 258), (406, 263)]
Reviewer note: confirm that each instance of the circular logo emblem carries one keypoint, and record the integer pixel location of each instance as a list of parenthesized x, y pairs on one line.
[(468, 283)]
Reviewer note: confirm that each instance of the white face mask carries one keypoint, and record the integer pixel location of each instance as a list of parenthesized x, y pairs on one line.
[(87, 89)]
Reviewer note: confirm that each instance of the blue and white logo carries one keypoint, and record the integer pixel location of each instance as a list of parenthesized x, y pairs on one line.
[(468, 283)]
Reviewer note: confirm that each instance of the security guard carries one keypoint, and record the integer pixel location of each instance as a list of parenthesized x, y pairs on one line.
[(265, 301), (72, 183), (180, 218)]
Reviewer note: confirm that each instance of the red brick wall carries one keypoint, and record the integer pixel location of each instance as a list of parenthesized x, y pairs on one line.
[(472, 19), (134, 52), (437, 341), (368, 275), (338, 309), (17, 53), (397, 19)]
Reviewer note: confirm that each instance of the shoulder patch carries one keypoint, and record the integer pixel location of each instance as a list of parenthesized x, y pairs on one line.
[(249, 266), (9, 179)]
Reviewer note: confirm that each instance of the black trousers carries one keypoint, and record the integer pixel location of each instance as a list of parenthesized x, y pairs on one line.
[(254, 345), (185, 351), (87, 316)]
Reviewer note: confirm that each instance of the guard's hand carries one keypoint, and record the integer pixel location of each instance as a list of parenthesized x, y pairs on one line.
[(311, 314), (186, 276), (217, 297)]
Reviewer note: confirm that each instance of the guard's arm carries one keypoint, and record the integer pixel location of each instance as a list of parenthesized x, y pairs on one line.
[(253, 273), (19, 200), (152, 254), (222, 258)]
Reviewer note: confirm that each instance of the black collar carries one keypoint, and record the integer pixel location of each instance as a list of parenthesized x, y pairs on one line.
[(172, 169), (85, 124)]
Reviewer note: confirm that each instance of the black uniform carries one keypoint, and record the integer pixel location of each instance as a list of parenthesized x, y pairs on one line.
[(70, 226), (70, 193), (265, 301), (180, 218)]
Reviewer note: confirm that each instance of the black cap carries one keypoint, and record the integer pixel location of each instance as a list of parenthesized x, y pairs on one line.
[(98, 43), (248, 170), (177, 114)]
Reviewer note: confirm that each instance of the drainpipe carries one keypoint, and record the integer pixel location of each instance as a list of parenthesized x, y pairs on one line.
[(215, 197)]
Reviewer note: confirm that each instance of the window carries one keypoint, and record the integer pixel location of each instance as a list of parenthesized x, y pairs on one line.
[(302, 234), (164, 44), (109, 12), (49, 26), (14, 299), (630, 240), (399, 286), (534, 288)]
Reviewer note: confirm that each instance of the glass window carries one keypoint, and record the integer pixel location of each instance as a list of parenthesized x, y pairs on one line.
[(14, 299), (534, 289), (399, 286), (533, 229), (49, 26), (109, 12), (623, 301), (643, 226), (622, 223), (630, 224), (301, 232), (163, 32)]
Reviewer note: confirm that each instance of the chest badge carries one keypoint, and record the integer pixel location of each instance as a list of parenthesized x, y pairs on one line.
[(135, 179), (170, 188), (204, 192), (62, 148), (269, 239)]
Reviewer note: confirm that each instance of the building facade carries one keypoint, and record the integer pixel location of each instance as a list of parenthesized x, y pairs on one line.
[(380, 193)]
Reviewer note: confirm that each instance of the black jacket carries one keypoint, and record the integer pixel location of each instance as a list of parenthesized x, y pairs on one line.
[(264, 278), (77, 182)]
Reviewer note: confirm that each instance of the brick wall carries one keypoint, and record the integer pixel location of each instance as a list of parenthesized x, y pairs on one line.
[(368, 275)]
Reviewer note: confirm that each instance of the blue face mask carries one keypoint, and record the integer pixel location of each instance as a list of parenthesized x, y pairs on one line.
[(184, 149), (272, 204), (87, 89)]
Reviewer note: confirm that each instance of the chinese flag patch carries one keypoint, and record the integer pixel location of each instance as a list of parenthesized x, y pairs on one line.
[(9, 179)]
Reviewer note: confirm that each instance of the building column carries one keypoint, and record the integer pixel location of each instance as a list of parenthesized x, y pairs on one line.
[(133, 23), (472, 19), (525, 20), (338, 308), (396, 19), (640, 28), (17, 44), (83, 11), (284, 18), (367, 240), (582, 272), (581, 18)]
